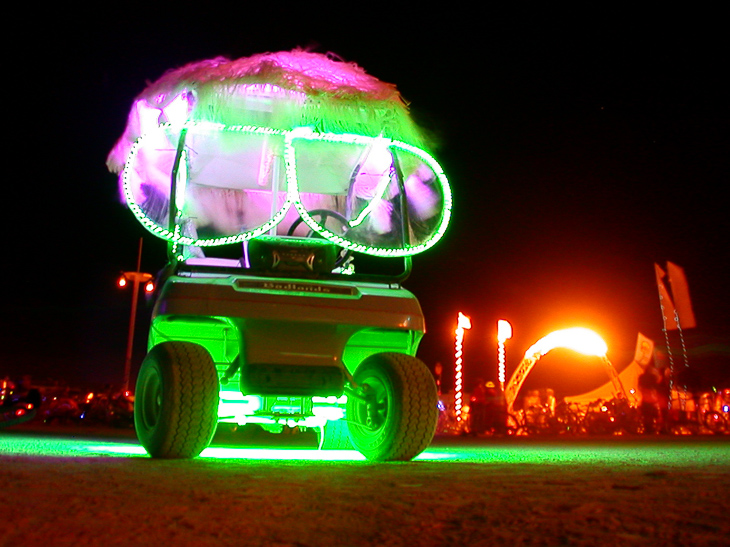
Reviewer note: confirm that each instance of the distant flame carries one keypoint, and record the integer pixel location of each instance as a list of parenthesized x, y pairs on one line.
[(578, 339), (464, 322), (504, 330)]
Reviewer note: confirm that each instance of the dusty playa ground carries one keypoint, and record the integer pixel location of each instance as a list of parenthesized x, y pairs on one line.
[(91, 487)]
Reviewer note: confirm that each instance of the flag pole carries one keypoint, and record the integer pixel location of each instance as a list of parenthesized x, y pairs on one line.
[(682, 308), (665, 302), (680, 302)]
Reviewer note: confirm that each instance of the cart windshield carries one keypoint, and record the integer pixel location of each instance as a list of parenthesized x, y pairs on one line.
[(206, 184)]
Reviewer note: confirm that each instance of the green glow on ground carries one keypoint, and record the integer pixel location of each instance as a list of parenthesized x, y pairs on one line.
[(70, 448), (668, 452)]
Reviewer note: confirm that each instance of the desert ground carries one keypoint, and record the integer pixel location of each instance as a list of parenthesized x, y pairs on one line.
[(74, 486)]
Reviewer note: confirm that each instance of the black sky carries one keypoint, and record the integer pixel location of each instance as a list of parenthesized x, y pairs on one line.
[(581, 146)]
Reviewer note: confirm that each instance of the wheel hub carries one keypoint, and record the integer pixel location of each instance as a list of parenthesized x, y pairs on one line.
[(376, 407)]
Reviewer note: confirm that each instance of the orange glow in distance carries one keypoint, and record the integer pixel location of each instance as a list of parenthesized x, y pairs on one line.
[(578, 339)]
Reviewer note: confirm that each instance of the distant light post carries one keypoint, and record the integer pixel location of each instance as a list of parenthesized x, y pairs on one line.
[(463, 323), (504, 333), (136, 278)]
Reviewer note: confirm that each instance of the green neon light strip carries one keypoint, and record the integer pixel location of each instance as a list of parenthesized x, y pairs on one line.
[(182, 183), (292, 195)]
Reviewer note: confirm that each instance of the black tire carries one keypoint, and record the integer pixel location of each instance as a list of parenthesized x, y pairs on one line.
[(396, 419), (336, 436), (176, 402)]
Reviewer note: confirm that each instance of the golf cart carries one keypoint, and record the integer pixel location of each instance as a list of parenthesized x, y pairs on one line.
[(292, 189)]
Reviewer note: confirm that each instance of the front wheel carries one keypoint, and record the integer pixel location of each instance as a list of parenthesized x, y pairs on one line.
[(393, 414), (176, 402)]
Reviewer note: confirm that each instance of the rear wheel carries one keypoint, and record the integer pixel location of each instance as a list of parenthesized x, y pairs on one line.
[(393, 414), (175, 411)]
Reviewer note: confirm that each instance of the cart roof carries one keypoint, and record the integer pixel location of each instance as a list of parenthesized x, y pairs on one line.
[(252, 141)]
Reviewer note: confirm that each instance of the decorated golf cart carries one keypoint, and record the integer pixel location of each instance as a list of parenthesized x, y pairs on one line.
[(292, 189)]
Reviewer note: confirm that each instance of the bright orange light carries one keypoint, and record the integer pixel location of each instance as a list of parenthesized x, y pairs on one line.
[(150, 286), (122, 282), (504, 333), (578, 339), (464, 321), (504, 330)]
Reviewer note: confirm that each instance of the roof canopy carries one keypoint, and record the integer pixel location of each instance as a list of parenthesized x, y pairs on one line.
[(246, 141)]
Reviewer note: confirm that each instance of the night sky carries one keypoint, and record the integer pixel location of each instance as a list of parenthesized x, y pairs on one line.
[(582, 147)]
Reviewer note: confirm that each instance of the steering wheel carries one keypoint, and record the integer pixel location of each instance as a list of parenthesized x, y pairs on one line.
[(323, 215)]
